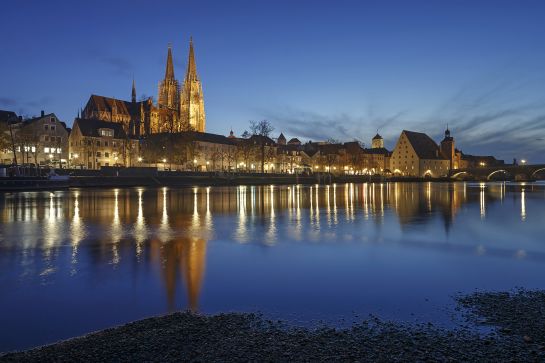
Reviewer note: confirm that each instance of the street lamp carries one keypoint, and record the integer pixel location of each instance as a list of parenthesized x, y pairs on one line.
[(139, 159), (523, 161)]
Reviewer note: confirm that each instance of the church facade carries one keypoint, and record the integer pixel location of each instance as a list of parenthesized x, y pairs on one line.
[(179, 107)]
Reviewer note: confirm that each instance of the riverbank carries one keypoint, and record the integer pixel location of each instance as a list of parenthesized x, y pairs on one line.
[(519, 319)]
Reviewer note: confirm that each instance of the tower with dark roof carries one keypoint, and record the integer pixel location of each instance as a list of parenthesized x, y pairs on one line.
[(377, 142), (281, 139), (448, 149)]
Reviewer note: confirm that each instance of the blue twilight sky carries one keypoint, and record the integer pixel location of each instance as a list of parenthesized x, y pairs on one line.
[(315, 69)]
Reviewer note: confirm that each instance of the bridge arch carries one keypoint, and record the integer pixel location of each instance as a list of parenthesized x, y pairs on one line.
[(460, 173), (495, 172), (537, 171)]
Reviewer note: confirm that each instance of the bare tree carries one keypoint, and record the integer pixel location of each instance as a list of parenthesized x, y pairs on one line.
[(262, 131)]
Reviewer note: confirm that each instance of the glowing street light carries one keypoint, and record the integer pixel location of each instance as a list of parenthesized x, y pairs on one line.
[(164, 161), (139, 159), (76, 156), (523, 161)]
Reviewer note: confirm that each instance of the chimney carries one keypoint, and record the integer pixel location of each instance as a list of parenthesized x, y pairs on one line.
[(43, 113)]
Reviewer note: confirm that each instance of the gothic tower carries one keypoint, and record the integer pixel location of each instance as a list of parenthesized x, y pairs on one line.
[(169, 88), (448, 148), (192, 113)]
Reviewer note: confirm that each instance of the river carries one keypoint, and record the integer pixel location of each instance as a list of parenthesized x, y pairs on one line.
[(77, 261)]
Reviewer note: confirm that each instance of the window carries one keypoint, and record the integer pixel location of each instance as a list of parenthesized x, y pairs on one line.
[(98, 143), (33, 149), (105, 143), (52, 127), (46, 127), (89, 154), (52, 120), (113, 143), (106, 154), (46, 150), (59, 150), (106, 132), (98, 154)]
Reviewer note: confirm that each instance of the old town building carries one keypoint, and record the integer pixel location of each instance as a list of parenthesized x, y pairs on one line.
[(417, 155), (96, 143), (41, 141)]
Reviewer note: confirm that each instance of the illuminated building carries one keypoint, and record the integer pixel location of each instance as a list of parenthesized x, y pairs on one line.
[(177, 108)]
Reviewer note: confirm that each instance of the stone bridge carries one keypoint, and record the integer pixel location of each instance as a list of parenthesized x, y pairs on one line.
[(511, 172)]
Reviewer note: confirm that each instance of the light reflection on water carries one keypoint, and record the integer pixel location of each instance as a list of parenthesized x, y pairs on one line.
[(96, 258)]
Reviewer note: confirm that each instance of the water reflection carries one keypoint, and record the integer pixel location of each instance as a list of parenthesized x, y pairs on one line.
[(171, 228)]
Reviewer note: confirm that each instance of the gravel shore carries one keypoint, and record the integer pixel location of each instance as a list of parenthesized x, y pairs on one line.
[(520, 336)]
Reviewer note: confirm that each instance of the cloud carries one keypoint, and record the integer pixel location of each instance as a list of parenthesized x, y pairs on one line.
[(315, 126), (7, 101)]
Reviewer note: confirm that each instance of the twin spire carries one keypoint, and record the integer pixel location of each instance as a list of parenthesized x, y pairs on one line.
[(191, 64)]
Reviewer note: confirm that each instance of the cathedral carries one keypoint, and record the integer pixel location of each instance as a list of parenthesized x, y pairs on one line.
[(178, 108)]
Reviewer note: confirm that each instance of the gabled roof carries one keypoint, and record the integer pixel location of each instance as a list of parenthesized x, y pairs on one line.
[(423, 145), (377, 137), (38, 118), (107, 104), (90, 127), (294, 141), (6, 116), (281, 137)]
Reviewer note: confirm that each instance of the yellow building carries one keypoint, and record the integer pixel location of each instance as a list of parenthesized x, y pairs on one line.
[(417, 155), (177, 109), (95, 143)]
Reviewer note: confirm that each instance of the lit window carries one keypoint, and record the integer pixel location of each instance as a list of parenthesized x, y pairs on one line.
[(58, 150), (46, 150)]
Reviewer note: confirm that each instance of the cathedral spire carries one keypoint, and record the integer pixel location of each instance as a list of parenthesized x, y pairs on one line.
[(191, 65), (169, 73), (133, 93)]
